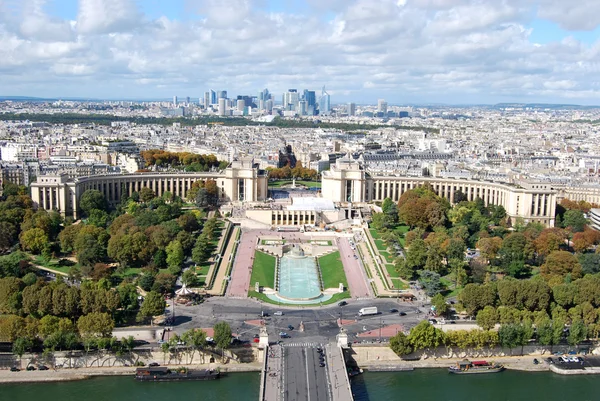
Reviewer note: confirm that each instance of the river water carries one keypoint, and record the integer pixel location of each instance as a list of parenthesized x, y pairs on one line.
[(421, 384)]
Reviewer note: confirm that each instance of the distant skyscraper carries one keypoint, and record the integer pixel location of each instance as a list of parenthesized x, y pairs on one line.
[(324, 102), (206, 100), (311, 101), (302, 107), (187, 100), (382, 106), (213, 97), (351, 109), (241, 103), (174, 101), (223, 94), (222, 106), (290, 100), (269, 106)]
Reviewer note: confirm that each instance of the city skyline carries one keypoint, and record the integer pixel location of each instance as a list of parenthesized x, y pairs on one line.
[(407, 52)]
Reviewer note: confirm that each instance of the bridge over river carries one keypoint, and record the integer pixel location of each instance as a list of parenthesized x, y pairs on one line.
[(294, 373)]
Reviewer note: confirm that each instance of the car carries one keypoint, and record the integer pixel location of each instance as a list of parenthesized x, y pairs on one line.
[(263, 314), (153, 364), (290, 327), (355, 257), (550, 360), (319, 350), (256, 340), (575, 359), (15, 369), (256, 336), (402, 313), (432, 321), (393, 310), (283, 334), (42, 367), (322, 364), (342, 303), (30, 368), (278, 313)]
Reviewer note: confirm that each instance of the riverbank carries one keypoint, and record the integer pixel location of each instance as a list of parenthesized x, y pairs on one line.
[(61, 375), (520, 363)]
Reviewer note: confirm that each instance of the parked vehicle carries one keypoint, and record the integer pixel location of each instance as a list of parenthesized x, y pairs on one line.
[(43, 367), (342, 303), (393, 310), (15, 369), (278, 313), (371, 310)]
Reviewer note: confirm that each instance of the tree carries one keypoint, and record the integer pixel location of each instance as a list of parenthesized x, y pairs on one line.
[(400, 344), (164, 283), (513, 253), (189, 278), (430, 281), (390, 213), (194, 338), (425, 336), (577, 332), (416, 255), (34, 240), (147, 194), (439, 302), (98, 218), (222, 335), (175, 256), (590, 263), (92, 199), (489, 247), (476, 296), (487, 318), (21, 345), (509, 336), (153, 305), (574, 220), (146, 281), (95, 324), (559, 264)]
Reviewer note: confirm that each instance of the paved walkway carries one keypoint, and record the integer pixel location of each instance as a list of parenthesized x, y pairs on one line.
[(274, 368), (339, 384), (217, 288), (385, 331), (357, 280)]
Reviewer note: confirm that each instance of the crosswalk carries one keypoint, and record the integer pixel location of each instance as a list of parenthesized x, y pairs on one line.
[(303, 344)]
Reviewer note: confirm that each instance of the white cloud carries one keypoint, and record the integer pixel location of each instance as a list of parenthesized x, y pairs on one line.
[(579, 15), (413, 50), (104, 16)]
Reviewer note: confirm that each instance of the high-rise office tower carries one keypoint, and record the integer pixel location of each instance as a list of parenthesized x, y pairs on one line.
[(206, 100), (174, 101), (241, 103), (213, 97), (382, 106), (223, 94), (290, 100), (261, 104), (324, 102), (269, 106), (311, 101), (302, 110), (187, 100), (222, 106), (351, 109)]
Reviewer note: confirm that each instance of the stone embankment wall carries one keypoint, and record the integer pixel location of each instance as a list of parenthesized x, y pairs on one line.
[(382, 354), (179, 356)]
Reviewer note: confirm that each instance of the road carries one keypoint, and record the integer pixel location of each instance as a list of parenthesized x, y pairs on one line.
[(320, 323), (304, 379)]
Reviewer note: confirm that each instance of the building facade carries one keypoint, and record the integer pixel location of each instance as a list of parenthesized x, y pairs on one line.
[(243, 181), (348, 182)]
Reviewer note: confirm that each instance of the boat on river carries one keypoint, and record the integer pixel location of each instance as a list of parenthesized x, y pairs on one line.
[(467, 367), (164, 374)]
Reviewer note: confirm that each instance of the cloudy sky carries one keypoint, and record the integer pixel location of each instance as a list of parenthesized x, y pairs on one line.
[(406, 51)]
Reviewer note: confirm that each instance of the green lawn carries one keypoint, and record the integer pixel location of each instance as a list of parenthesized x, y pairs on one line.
[(129, 272), (391, 270), (388, 258), (52, 264), (399, 284), (332, 270), (280, 183), (202, 270), (263, 270)]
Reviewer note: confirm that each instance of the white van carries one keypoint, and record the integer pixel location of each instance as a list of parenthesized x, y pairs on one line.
[(278, 313)]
